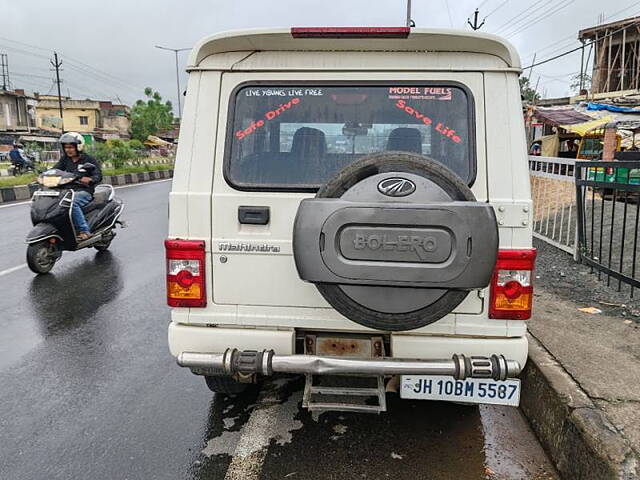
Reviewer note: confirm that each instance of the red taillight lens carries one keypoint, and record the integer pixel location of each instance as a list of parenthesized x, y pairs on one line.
[(350, 32), (511, 285), (185, 273)]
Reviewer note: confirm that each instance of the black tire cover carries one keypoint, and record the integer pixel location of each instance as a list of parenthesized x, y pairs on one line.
[(365, 306)]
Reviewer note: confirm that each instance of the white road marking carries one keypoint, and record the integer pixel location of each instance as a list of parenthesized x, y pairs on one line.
[(269, 420), (143, 183), (116, 188), (15, 204), (12, 269)]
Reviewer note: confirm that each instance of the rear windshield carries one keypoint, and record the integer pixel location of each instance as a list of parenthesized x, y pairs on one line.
[(298, 137)]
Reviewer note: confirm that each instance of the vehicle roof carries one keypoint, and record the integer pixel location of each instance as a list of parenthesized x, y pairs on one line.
[(419, 40)]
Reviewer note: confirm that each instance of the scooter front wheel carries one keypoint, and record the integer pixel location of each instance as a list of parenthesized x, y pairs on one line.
[(40, 257)]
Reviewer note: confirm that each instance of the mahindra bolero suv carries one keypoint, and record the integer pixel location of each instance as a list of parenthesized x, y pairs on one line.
[(353, 204)]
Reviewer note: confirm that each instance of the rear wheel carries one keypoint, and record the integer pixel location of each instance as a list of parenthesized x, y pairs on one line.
[(225, 385), (41, 257), (104, 245)]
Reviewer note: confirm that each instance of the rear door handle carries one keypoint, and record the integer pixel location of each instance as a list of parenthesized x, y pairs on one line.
[(253, 215)]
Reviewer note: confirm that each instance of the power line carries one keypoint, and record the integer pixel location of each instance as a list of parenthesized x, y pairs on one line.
[(520, 17), (67, 58), (563, 40), (496, 9), (582, 46), (536, 21), (446, 2), (30, 75)]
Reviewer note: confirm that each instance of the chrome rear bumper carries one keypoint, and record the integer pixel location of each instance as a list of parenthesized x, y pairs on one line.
[(234, 362)]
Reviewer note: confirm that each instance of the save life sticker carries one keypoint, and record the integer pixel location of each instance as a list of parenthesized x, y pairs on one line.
[(439, 127), (270, 115)]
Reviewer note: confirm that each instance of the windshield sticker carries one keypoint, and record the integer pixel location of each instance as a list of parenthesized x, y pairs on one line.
[(439, 126), (283, 92), (270, 115), (420, 93)]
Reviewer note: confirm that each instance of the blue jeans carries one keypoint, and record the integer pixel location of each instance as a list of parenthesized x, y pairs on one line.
[(80, 199)]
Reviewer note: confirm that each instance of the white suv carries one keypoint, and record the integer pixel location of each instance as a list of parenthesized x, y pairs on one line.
[(353, 204)]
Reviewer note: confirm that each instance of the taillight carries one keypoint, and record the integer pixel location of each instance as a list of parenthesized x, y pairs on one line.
[(185, 273), (511, 285), (350, 32)]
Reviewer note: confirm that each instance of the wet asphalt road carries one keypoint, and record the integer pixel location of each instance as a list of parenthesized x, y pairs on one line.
[(88, 389)]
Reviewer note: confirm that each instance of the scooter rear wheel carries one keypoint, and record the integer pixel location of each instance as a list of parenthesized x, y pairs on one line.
[(103, 246), (40, 258)]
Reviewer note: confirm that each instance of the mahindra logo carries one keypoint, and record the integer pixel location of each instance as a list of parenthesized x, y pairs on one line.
[(396, 187)]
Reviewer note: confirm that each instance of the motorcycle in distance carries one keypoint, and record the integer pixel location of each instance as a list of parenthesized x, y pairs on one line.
[(53, 229), (26, 167)]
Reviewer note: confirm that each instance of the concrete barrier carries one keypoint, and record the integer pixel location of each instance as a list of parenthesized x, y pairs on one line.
[(24, 192), (580, 439)]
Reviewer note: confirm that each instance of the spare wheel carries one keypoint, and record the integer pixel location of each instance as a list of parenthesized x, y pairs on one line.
[(395, 241)]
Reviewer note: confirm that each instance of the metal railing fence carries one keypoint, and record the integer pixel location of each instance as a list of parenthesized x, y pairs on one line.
[(554, 201), (608, 196)]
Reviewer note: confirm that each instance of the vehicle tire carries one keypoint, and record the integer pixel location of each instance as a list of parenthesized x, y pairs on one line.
[(104, 245), (39, 257), (225, 385), (424, 306)]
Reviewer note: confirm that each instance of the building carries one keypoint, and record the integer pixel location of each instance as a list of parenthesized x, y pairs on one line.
[(114, 120), (615, 55), (17, 111), (79, 115), (103, 120)]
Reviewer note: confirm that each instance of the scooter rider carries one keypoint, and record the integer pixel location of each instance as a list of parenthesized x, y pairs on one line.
[(18, 158), (73, 146)]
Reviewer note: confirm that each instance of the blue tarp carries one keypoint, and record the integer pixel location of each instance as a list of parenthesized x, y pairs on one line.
[(611, 108)]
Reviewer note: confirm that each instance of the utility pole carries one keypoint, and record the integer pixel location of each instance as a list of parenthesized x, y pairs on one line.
[(532, 63), (581, 68), (4, 65), (57, 64), (475, 25), (409, 13), (176, 50)]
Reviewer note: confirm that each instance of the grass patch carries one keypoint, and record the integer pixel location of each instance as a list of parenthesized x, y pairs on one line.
[(30, 177), (19, 180)]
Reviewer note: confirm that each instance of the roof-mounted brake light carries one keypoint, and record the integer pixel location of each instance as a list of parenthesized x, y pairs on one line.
[(350, 32)]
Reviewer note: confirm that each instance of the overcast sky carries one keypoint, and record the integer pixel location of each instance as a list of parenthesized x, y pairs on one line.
[(107, 48)]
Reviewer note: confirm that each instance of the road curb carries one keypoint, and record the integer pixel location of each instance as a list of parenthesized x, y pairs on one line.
[(24, 192), (577, 435)]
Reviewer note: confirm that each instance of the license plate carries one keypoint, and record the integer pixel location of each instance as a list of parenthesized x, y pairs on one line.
[(47, 193), (472, 390)]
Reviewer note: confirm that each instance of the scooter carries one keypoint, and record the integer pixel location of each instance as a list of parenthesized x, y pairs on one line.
[(27, 166), (53, 229)]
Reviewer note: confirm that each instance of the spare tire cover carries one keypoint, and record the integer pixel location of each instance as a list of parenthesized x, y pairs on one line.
[(397, 227)]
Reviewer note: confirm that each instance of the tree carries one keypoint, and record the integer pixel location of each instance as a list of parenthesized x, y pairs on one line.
[(529, 94), (150, 116), (576, 83)]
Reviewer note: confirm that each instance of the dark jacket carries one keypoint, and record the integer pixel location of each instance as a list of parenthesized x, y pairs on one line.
[(66, 164), (17, 157)]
